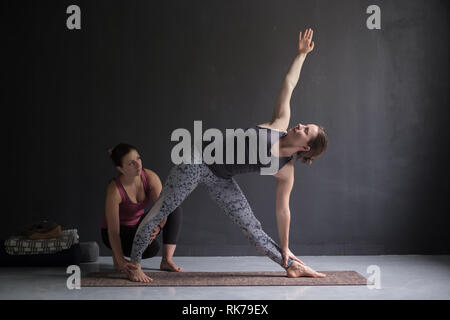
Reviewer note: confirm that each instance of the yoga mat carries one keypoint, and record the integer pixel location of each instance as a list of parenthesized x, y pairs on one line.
[(201, 279)]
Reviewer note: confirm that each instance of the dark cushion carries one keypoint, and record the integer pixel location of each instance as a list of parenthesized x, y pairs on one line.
[(89, 251)]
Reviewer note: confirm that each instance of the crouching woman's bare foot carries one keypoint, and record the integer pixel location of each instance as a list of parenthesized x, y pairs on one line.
[(169, 265), (297, 270), (137, 275)]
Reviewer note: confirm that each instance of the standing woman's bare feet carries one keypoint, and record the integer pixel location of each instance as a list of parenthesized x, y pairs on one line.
[(138, 275), (297, 270), (169, 265)]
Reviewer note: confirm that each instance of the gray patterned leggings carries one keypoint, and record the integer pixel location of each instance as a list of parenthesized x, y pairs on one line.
[(182, 180)]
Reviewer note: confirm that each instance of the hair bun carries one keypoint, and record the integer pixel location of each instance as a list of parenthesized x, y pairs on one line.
[(307, 159)]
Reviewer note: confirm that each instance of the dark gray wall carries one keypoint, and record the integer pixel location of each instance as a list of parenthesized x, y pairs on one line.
[(140, 69)]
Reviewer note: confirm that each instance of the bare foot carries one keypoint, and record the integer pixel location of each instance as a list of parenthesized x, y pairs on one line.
[(298, 270), (170, 266), (138, 275)]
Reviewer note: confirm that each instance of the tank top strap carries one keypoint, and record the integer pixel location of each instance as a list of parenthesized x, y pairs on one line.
[(284, 160), (121, 189)]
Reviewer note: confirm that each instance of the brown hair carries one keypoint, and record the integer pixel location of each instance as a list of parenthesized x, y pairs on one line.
[(119, 151), (317, 146)]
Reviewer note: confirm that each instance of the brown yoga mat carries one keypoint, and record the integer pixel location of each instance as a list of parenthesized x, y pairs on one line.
[(201, 279)]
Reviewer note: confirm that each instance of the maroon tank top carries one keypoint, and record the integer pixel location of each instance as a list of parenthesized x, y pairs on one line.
[(130, 212)]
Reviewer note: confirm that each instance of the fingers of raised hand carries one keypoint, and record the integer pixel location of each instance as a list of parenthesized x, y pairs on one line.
[(307, 35)]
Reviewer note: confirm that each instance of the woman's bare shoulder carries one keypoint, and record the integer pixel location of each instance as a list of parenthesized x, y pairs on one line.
[(152, 177), (150, 173), (111, 186), (112, 191)]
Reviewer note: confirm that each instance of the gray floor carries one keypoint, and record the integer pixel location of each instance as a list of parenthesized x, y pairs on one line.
[(401, 277)]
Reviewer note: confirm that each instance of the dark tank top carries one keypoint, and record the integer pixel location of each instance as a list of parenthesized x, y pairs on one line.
[(227, 171)]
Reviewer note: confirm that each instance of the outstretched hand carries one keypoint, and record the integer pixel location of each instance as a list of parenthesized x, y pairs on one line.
[(287, 254), (305, 44), (126, 267)]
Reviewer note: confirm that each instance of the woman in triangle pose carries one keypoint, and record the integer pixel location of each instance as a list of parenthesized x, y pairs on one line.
[(284, 145)]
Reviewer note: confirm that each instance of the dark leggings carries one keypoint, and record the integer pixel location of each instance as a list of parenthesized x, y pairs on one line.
[(170, 233)]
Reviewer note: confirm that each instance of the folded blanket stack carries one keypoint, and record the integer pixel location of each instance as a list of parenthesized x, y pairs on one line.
[(41, 244), (22, 245)]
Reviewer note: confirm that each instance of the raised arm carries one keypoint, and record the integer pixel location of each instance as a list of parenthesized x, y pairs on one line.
[(282, 111)]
